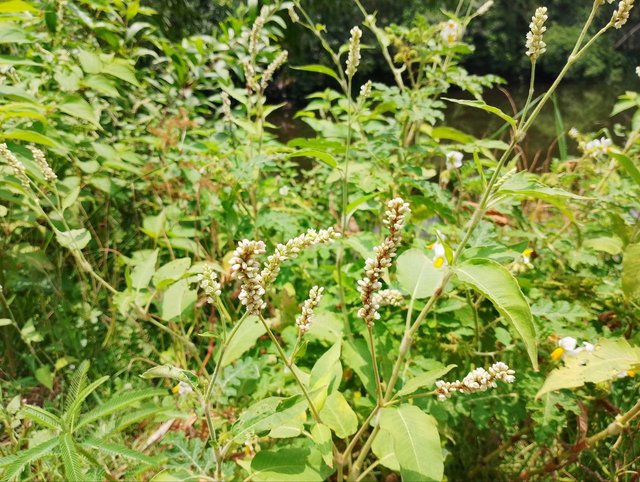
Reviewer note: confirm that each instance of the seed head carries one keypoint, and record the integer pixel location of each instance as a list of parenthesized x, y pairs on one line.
[(353, 59), (388, 298), (535, 45), (365, 90), (226, 106), (246, 269)]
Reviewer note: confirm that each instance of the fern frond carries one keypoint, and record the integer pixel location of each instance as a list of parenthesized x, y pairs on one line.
[(24, 458), (116, 403), (74, 409), (138, 415), (76, 384), (70, 459), (42, 416), (117, 449)]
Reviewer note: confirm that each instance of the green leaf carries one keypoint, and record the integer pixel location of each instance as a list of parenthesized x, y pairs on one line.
[(16, 6), (43, 375), (5, 322), (628, 165), (607, 244), (12, 33), (417, 275), (245, 338), (170, 272), (328, 159), (478, 104), (74, 239), (320, 69), (339, 416), (174, 373), (631, 272), (77, 107), (382, 447), (177, 299), (609, 358), (74, 408), (498, 285), (42, 416), (289, 465), (25, 458), (424, 380), (357, 356), (121, 70), (89, 61), (322, 438), (117, 403), (118, 450), (70, 459), (30, 136), (325, 375), (416, 442), (142, 273)]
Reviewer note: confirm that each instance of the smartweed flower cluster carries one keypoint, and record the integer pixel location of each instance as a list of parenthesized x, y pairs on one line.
[(478, 380)]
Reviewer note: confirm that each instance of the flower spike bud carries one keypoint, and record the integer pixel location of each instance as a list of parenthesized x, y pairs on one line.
[(478, 380), (621, 15), (271, 69), (208, 280), (303, 321), (41, 161), (246, 269), (16, 166), (365, 90), (535, 45), (353, 59), (396, 213)]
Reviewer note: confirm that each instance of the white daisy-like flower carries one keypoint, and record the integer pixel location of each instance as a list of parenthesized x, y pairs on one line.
[(450, 31)]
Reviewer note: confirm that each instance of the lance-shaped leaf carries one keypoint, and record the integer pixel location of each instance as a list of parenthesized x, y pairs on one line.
[(339, 416), (498, 285)]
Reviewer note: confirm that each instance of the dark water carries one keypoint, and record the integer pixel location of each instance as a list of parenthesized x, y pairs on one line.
[(585, 106)]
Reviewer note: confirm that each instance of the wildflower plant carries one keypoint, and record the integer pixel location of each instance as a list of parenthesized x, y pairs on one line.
[(301, 353)]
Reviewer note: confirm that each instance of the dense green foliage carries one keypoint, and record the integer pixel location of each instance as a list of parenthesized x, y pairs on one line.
[(142, 339)]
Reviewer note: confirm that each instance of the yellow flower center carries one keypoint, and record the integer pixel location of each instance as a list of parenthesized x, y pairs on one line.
[(557, 353), (438, 262)]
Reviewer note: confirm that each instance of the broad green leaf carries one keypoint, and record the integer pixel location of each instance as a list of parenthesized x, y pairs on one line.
[(153, 226), (608, 360), (478, 104), (177, 299), (357, 356), (76, 106), (417, 275), (416, 443), (245, 338), (607, 244), (526, 185), (629, 165), (74, 239), (631, 272), (16, 6), (12, 33), (382, 448), (43, 375), (452, 134), (170, 272), (5, 322), (25, 458), (30, 136), (424, 380), (142, 273), (325, 157), (70, 459), (121, 70), (89, 61), (326, 326), (325, 375), (43, 417), (498, 285), (339, 416), (320, 69), (289, 465), (322, 438)]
